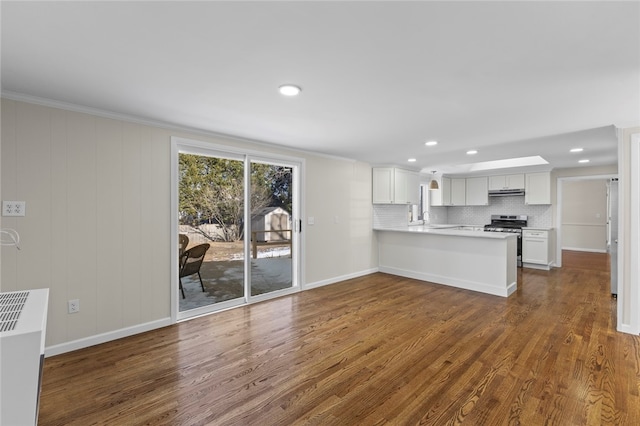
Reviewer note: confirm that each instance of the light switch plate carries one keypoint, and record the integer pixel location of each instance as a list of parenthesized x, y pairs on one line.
[(14, 208)]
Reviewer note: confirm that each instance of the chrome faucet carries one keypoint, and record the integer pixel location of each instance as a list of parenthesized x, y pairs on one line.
[(426, 217)]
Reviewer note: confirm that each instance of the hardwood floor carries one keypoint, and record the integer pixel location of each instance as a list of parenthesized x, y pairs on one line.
[(369, 351), (586, 260)]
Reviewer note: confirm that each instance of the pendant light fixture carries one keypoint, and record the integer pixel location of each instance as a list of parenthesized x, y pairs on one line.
[(433, 185)]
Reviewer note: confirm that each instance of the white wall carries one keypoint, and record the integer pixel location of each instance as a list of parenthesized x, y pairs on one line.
[(559, 175), (584, 215), (98, 221)]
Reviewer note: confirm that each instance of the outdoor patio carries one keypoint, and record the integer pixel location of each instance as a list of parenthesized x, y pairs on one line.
[(223, 275)]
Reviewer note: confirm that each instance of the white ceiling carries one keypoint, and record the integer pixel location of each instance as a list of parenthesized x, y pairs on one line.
[(379, 78)]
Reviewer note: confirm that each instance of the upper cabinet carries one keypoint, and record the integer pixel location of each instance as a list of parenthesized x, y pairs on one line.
[(383, 181), (537, 188), (474, 191), (497, 183), (458, 192), (407, 187), (395, 186), (477, 193), (442, 195), (461, 192)]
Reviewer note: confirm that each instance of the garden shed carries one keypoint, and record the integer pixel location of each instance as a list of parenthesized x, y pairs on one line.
[(271, 224)]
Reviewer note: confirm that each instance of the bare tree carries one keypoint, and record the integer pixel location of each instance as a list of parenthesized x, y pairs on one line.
[(211, 190)]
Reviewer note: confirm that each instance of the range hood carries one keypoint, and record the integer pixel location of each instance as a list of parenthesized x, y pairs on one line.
[(505, 192)]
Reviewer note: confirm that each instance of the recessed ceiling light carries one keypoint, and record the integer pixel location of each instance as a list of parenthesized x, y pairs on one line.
[(289, 90), (431, 143), (576, 150), (411, 160), (583, 161), (472, 152)]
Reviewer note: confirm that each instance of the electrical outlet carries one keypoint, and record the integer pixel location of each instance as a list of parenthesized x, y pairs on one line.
[(14, 208), (74, 306)]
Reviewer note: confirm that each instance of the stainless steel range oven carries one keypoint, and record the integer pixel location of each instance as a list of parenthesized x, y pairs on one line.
[(509, 223)]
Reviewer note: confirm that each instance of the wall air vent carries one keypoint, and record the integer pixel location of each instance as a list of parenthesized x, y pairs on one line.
[(11, 305)]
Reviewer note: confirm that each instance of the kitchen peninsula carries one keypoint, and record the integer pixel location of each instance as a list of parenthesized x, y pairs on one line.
[(445, 254)]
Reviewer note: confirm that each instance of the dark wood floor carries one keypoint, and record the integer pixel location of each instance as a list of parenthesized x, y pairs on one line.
[(370, 351)]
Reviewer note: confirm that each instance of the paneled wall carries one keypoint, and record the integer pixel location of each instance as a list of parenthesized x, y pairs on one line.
[(98, 221)]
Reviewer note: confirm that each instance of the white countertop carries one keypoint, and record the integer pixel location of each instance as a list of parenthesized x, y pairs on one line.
[(537, 228), (448, 230)]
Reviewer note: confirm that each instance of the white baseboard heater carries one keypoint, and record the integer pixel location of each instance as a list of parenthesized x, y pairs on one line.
[(23, 323)]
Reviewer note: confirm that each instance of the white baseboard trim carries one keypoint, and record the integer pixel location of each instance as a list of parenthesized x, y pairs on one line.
[(334, 280), (141, 328), (453, 282), (584, 249), (537, 266), (627, 328), (105, 337)]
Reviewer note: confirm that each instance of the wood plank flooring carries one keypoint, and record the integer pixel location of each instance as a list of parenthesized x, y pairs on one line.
[(586, 260), (377, 350)]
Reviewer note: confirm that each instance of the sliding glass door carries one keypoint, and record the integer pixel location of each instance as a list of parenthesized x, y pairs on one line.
[(272, 227), (237, 235), (211, 197)]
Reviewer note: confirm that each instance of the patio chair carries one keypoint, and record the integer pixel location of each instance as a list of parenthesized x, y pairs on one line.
[(183, 242), (190, 262)]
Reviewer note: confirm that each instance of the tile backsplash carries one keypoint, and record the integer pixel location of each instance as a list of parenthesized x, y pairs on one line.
[(389, 215), (539, 215)]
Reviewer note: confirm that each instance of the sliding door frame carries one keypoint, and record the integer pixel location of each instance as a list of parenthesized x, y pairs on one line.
[(296, 225), (191, 146)]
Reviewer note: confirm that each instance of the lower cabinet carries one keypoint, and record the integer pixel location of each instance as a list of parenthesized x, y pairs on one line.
[(536, 249)]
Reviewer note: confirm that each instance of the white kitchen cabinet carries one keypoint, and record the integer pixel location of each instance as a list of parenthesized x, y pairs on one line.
[(395, 186), (406, 187), (477, 193), (383, 182), (452, 192), (537, 189), (446, 191), (458, 192), (497, 183), (435, 196), (536, 249), (442, 195)]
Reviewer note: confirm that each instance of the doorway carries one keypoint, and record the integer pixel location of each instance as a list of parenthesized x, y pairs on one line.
[(580, 226), (239, 210)]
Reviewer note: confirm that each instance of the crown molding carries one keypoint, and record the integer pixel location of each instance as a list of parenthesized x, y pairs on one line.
[(67, 106)]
